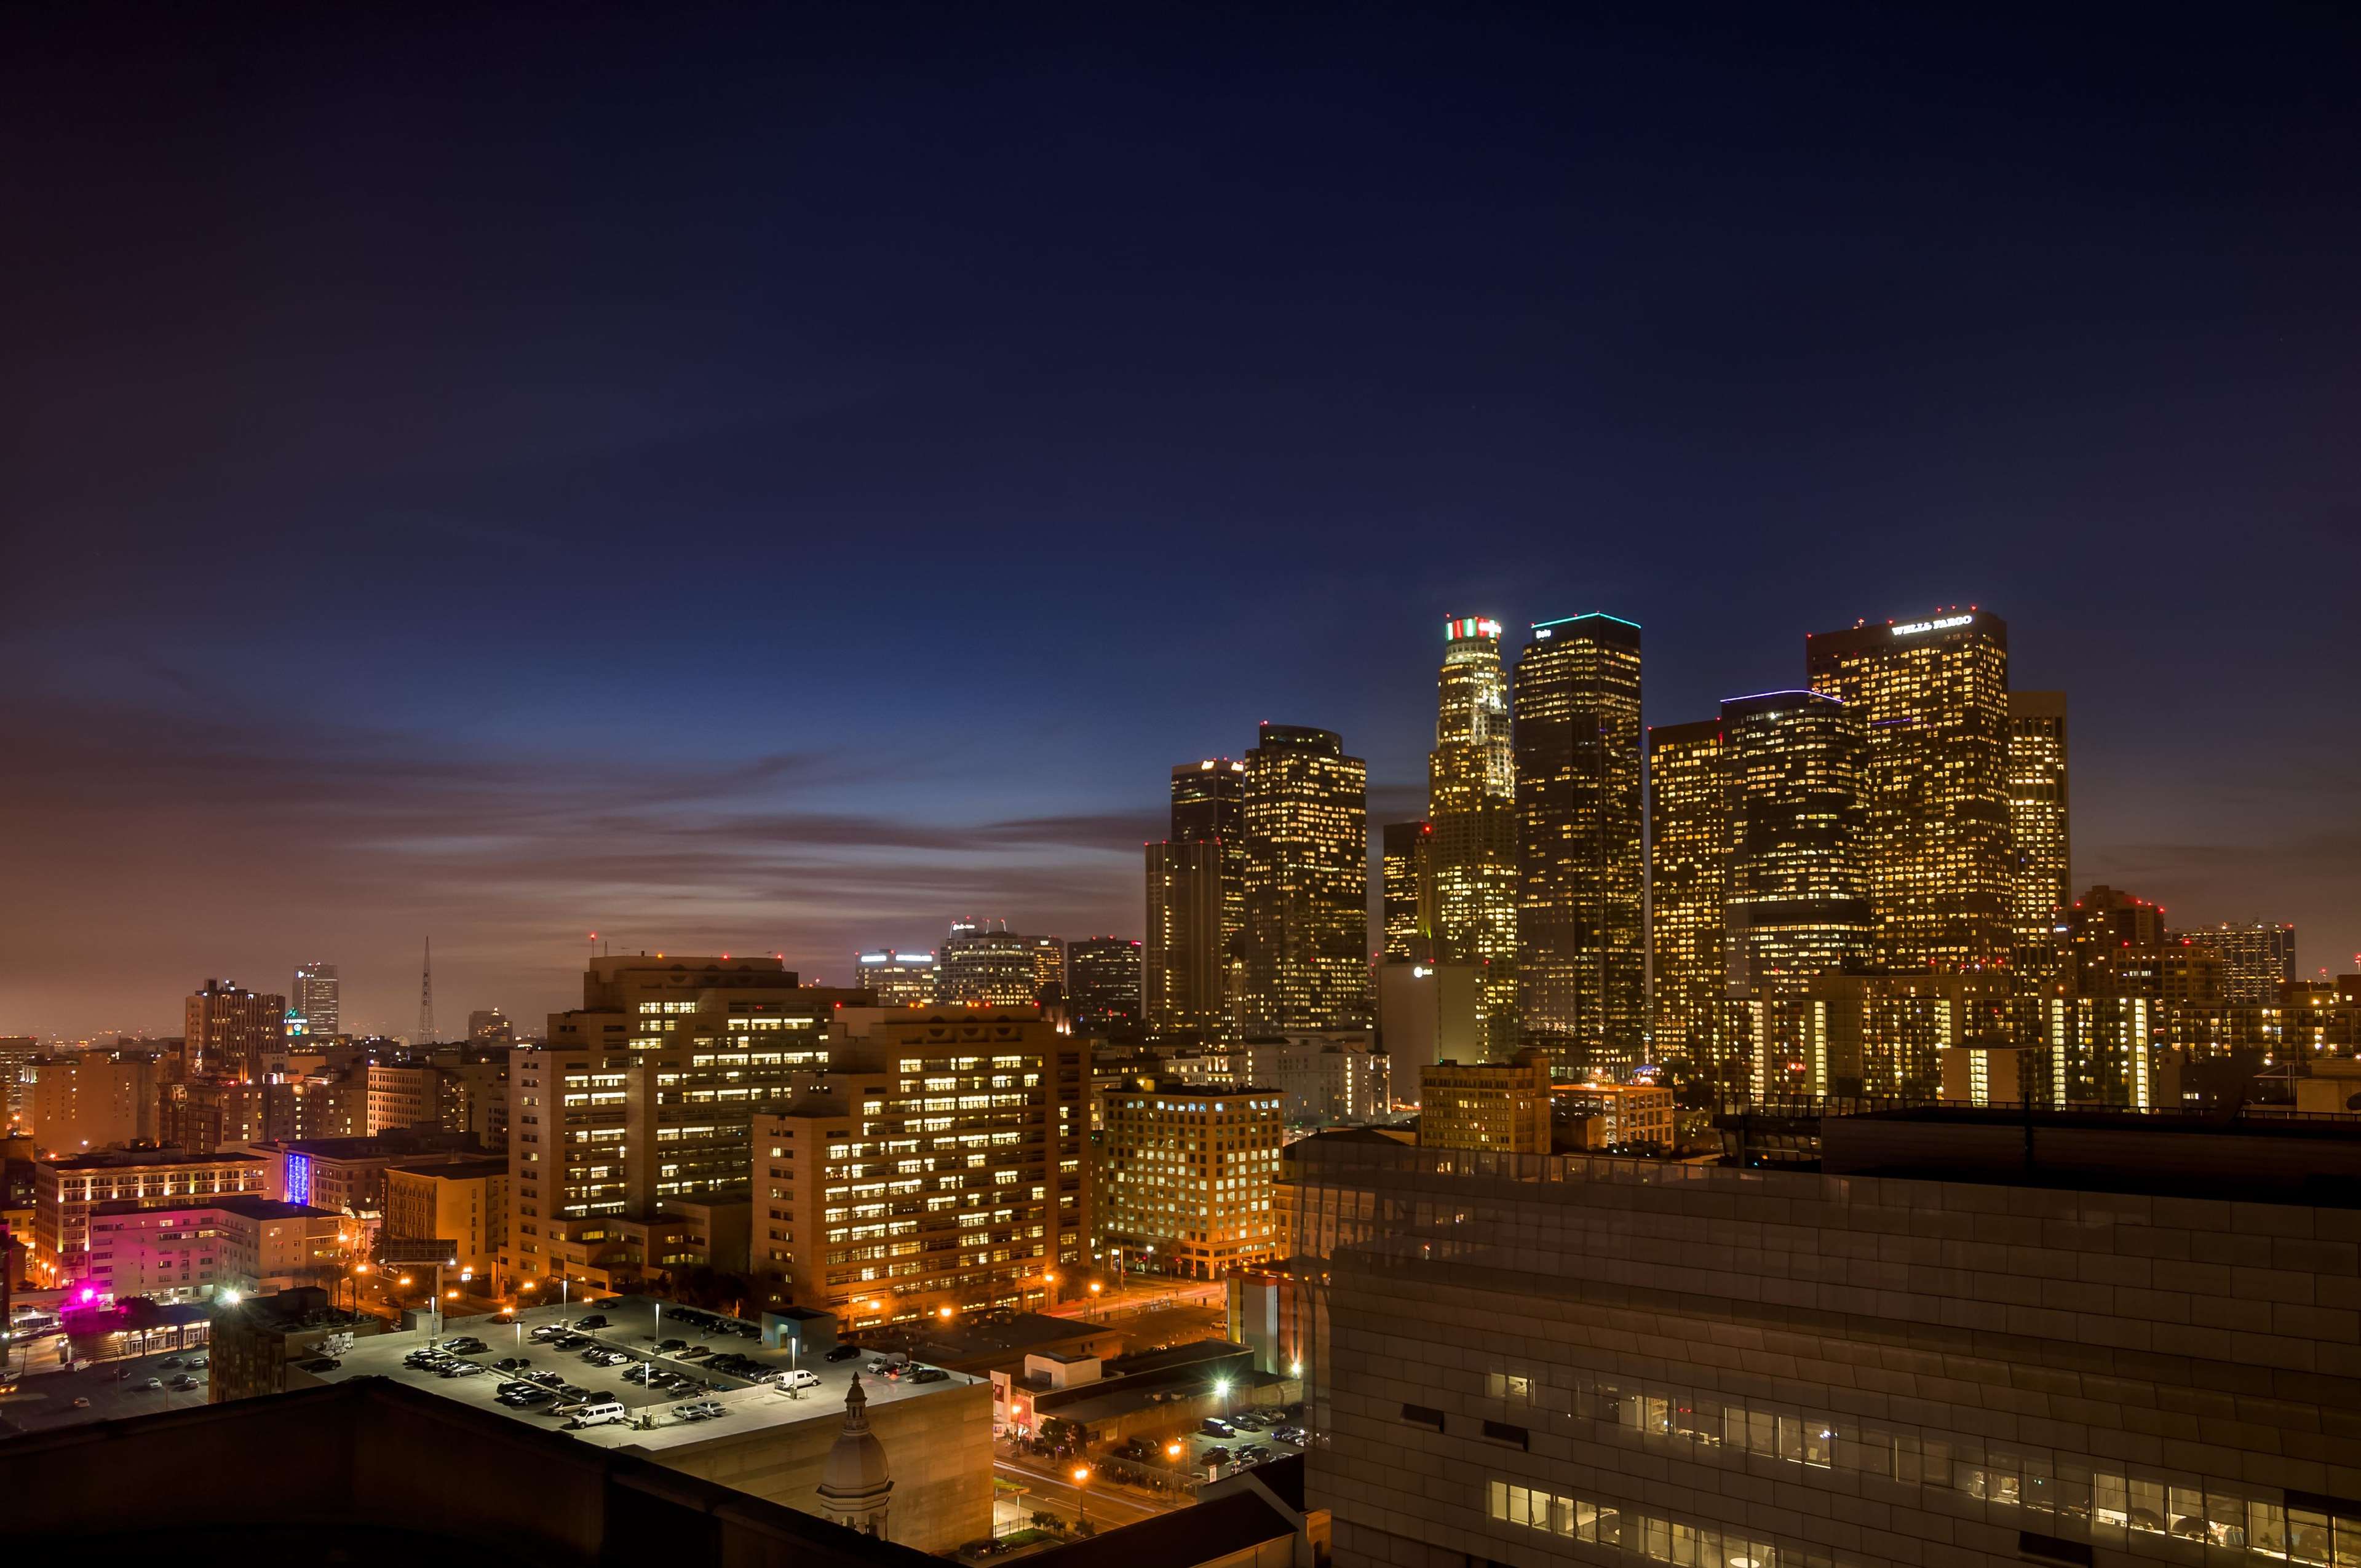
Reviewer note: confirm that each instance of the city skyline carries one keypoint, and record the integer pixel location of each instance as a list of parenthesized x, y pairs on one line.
[(1626, 322)]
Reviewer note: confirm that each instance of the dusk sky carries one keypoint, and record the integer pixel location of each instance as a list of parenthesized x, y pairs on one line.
[(776, 484)]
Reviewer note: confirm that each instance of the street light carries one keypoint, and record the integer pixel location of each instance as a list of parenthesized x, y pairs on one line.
[(231, 1298), (1081, 1499), (1222, 1392)]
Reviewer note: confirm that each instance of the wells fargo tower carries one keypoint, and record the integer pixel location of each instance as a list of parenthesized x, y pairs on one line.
[(1581, 955), (1935, 844), (1471, 804)]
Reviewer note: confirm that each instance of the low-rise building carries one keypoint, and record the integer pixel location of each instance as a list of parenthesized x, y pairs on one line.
[(465, 1203), (92, 1100), (1485, 1105), (66, 1191), (1185, 1178), (1614, 1116), (251, 1244)]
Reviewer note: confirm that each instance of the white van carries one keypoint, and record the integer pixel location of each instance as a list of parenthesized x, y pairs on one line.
[(798, 1378), (601, 1412)]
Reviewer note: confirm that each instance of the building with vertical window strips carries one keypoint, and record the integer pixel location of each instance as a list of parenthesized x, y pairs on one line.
[(1306, 942), (1581, 948), (933, 1165), (1471, 786), (2040, 841), (2257, 959), (1688, 855), (1933, 698), (1185, 1177)]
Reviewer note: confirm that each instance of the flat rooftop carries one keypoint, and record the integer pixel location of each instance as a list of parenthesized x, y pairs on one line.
[(455, 1170), (632, 1326), (247, 1203), (133, 1159)]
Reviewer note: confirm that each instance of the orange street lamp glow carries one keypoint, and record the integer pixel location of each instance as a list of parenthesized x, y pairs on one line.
[(1080, 1475), (942, 1312)]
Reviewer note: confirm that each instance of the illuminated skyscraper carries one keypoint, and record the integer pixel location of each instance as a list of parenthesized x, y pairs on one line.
[(1688, 854), (2039, 845), (1196, 904), (1471, 783), (1581, 960), (1306, 951), (1406, 891), (232, 1033), (1796, 902), (318, 995), (1934, 697)]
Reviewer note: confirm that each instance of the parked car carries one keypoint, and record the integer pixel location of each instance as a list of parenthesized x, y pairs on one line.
[(844, 1353), (466, 1345), (604, 1412), (317, 1364), (801, 1378), (1214, 1456), (512, 1363), (573, 1341), (547, 1379), (1213, 1426), (153, 1386), (592, 1320), (185, 1382), (170, 1362), (930, 1375), (199, 1363), (693, 1353)]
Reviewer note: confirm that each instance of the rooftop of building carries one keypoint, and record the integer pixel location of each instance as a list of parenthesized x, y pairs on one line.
[(392, 1474), (408, 1143), (472, 1170), (132, 1159), (250, 1205), (1215, 1528), (635, 1325)]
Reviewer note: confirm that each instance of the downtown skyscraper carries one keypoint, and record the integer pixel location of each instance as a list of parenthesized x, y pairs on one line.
[(318, 996), (1581, 960), (1933, 698), (1688, 855), (2041, 846), (1306, 942), (1196, 904), (1406, 891), (1471, 807)]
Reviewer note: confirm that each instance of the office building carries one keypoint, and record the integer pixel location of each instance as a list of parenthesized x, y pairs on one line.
[(1718, 1366), (1102, 980), (1406, 892), (1886, 1034), (196, 1250), (93, 1099), (2040, 844), (19, 1056), (1471, 784), (1426, 1013), (318, 995), (1048, 968), (985, 964), (230, 1032), (1795, 902), (463, 1202), (2257, 959), (1582, 962), (206, 1114), (935, 1162), (490, 1027), (1190, 978), (644, 1098), (66, 1191), (1688, 855), (1625, 1116), (1185, 1177), (1933, 698), (895, 978), (1497, 1106), (1306, 942), (2113, 944), (1333, 1078)]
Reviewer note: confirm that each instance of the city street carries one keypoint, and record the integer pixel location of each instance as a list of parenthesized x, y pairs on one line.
[(1054, 1490)]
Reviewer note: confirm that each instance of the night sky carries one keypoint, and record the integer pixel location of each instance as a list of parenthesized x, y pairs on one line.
[(775, 483)]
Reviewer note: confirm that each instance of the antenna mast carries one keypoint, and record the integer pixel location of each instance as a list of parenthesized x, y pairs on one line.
[(427, 997)]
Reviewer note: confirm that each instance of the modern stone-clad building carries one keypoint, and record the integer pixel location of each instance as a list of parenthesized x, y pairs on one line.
[(1969, 1338)]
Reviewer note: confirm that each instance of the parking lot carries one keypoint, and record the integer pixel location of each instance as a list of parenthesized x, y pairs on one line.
[(635, 1327), (48, 1399)]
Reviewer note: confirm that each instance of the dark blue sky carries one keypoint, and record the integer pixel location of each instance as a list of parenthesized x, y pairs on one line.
[(775, 482)]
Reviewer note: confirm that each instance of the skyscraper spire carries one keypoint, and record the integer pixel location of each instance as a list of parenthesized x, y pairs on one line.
[(427, 997)]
